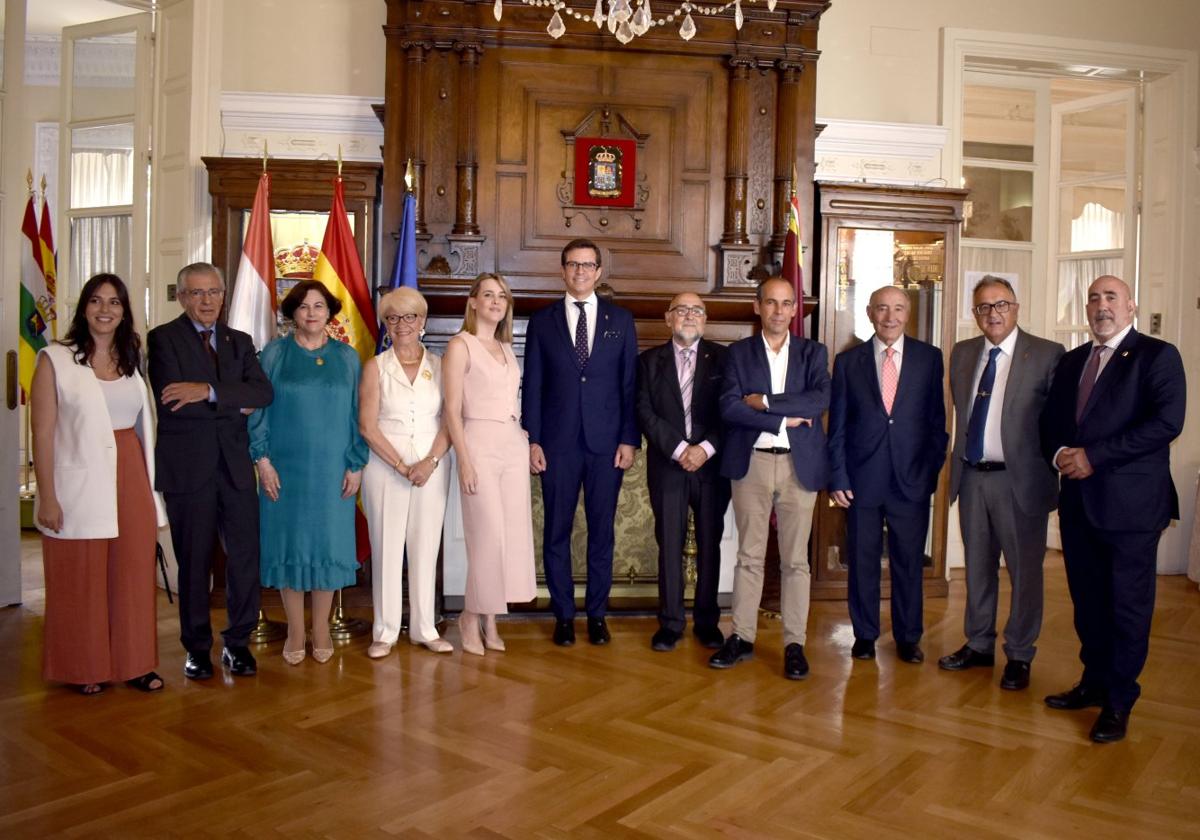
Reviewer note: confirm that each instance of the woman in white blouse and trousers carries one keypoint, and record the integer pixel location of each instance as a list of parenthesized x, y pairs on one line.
[(405, 483)]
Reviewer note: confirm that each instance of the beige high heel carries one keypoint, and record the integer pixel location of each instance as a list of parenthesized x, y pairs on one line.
[(491, 635), (469, 645), (294, 657)]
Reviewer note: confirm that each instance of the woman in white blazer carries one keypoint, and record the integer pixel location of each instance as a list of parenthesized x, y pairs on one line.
[(405, 482), (96, 508)]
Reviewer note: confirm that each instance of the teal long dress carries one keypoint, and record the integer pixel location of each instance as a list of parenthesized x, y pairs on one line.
[(310, 433)]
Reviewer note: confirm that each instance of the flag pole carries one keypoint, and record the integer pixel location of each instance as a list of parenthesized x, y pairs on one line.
[(264, 156), (408, 175), (339, 160)]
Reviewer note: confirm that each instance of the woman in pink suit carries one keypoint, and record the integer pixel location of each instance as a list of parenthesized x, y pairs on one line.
[(481, 381)]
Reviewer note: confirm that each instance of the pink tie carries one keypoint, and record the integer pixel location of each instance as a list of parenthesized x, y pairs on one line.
[(890, 379)]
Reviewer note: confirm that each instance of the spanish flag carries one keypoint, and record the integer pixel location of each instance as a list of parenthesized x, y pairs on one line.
[(791, 269), (339, 268)]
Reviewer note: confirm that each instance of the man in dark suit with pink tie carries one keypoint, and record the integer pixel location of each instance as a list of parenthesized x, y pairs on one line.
[(1114, 407), (887, 442)]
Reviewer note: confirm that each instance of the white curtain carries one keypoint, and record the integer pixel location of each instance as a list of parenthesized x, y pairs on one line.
[(100, 244), (101, 178)]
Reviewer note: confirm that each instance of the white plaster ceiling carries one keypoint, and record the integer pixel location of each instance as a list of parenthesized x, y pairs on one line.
[(48, 17)]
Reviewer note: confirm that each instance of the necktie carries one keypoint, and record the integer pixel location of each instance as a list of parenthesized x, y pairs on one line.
[(1090, 374), (581, 342), (687, 375), (979, 411), (889, 379), (205, 338)]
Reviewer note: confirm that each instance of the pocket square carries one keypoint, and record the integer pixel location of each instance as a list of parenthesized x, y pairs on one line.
[(612, 334)]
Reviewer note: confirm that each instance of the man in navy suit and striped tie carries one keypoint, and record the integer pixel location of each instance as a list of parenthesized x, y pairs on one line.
[(578, 405), (1115, 405)]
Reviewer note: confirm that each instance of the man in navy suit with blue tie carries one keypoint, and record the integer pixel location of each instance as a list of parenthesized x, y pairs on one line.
[(578, 405), (776, 386), (887, 442), (1114, 407)]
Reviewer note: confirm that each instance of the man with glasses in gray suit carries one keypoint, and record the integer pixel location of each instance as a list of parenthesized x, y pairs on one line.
[(1005, 488)]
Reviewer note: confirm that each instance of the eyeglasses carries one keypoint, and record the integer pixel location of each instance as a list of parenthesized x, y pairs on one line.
[(200, 294), (1001, 306), (409, 318), (683, 311), (571, 265)]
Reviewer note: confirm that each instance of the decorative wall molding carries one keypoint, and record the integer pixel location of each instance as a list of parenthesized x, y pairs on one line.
[(45, 162), (106, 62), (302, 127), (882, 153)]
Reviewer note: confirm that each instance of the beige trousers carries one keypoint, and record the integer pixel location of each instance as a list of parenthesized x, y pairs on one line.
[(771, 483)]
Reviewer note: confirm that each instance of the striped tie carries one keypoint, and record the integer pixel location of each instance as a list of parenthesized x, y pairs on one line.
[(687, 375)]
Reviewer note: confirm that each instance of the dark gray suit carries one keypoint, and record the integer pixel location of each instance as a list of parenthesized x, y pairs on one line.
[(1005, 510)]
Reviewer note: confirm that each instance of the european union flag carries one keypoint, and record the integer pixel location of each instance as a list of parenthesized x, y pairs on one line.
[(404, 269)]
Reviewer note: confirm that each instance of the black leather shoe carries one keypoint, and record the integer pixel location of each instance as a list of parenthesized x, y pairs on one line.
[(910, 652), (1016, 675), (863, 649), (966, 657), (1078, 697), (710, 637), (1110, 726), (795, 666), (564, 632), (598, 631), (732, 652), (198, 665), (239, 660), (664, 639)]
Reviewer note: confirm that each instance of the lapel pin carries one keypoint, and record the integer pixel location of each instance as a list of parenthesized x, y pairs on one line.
[(427, 374), (1125, 353)]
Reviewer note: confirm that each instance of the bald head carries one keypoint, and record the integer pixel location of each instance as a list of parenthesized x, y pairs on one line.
[(888, 311), (1110, 306), (686, 317)]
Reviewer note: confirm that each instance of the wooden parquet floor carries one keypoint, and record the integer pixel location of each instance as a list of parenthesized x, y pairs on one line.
[(605, 742)]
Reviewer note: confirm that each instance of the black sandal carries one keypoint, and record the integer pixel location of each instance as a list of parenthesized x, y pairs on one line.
[(146, 682), (90, 689)]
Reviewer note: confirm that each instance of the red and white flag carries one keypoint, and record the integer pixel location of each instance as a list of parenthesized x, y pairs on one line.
[(252, 309)]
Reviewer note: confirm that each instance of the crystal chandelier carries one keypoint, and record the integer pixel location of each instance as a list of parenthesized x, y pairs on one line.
[(627, 19)]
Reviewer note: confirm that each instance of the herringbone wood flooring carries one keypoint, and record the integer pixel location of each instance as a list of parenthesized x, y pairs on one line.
[(602, 742)]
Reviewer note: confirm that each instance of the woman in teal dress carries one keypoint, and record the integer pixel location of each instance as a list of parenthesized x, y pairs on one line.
[(310, 457)]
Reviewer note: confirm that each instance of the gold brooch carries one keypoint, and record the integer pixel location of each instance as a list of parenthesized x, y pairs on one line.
[(427, 374), (320, 362)]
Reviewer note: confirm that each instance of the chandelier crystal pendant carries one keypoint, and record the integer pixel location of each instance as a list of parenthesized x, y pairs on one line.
[(629, 19)]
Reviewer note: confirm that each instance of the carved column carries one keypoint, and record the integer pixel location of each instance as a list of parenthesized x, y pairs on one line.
[(464, 239), (468, 167), (787, 105), (737, 152), (737, 254), (414, 84)]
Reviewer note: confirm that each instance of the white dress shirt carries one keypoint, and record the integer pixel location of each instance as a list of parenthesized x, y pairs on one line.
[(993, 448), (1112, 344), (778, 363), (590, 304)]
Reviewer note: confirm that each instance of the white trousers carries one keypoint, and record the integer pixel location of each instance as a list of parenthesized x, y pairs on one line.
[(401, 516)]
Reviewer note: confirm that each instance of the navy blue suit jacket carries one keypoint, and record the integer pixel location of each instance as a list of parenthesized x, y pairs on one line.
[(805, 394), (1135, 410), (560, 400), (873, 454)]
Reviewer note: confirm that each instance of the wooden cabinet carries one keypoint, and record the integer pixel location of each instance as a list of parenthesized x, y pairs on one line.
[(869, 236)]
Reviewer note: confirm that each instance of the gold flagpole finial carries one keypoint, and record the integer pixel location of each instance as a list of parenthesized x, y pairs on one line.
[(795, 179), (408, 175), (339, 160), (29, 179), (43, 186), (264, 156)]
